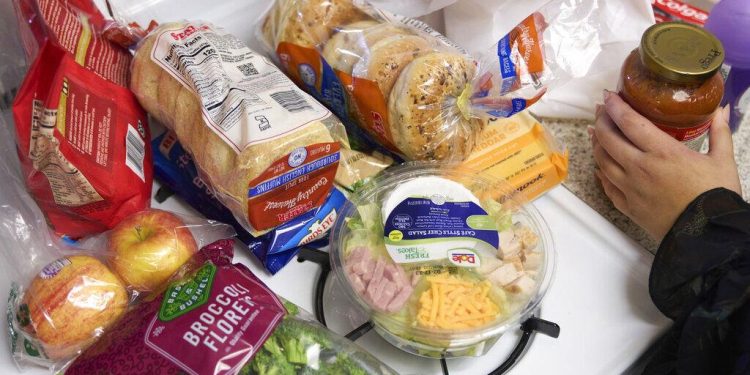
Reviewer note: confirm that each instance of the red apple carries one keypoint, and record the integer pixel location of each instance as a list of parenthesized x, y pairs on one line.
[(146, 248), (70, 302)]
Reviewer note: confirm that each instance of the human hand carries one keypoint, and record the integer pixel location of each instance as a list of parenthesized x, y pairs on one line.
[(650, 176)]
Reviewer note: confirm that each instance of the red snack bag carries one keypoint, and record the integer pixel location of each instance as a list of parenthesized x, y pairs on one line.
[(83, 142), (77, 27), (211, 320)]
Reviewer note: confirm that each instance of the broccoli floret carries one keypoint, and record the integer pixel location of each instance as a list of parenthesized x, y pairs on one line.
[(273, 347), (344, 365), (305, 332), (265, 363), (294, 350), (291, 308)]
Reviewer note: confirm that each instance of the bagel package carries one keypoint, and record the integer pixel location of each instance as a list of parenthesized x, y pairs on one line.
[(268, 149), (403, 86)]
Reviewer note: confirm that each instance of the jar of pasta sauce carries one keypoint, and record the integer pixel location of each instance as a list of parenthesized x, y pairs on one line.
[(673, 79)]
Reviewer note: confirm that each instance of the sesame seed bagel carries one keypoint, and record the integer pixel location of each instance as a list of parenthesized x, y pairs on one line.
[(342, 50), (388, 58), (424, 118), (310, 23)]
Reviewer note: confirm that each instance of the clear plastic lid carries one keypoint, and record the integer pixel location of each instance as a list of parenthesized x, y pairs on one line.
[(441, 257)]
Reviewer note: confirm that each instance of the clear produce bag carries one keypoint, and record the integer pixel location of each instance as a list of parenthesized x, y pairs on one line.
[(65, 295), (216, 317), (412, 90)]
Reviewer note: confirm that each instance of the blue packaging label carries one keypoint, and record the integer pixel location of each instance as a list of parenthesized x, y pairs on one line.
[(517, 105), (174, 167), (432, 229)]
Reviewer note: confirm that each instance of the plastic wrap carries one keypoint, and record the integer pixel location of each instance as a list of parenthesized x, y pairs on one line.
[(82, 137), (175, 169), (218, 318), (409, 88), (268, 150), (66, 295), (443, 260)]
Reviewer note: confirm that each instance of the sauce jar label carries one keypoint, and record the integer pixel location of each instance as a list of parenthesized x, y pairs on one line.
[(692, 137)]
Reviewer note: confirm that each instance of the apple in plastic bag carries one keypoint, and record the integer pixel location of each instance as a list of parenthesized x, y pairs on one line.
[(70, 302), (146, 248)]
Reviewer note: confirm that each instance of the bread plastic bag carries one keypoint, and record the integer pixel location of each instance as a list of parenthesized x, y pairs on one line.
[(216, 317), (82, 136), (409, 88), (175, 169), (65, 295), (269, 151)]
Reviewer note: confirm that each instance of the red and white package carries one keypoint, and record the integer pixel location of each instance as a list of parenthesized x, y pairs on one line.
[(676, 10), (83, 142), (82, 137), (77, 26)]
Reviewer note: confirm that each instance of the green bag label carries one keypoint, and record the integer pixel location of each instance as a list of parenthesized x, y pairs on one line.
[(182, 298)]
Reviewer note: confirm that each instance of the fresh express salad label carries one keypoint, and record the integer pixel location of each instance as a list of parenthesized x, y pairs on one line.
[(449, 225), (245, 99)]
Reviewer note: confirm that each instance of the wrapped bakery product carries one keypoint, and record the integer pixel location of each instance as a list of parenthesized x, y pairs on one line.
[(269, 151), (408, 88)]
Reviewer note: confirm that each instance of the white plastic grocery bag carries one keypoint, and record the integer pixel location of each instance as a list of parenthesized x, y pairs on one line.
[(476, 24)]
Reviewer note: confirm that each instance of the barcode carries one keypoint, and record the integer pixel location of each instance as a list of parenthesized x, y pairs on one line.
[(291, 100), (135, 152), (248, 69)]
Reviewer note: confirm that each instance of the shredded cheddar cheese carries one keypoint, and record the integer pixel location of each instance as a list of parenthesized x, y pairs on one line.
[(452, 303)]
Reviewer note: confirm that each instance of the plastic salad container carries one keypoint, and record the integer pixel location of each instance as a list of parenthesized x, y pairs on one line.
[(443, 260)]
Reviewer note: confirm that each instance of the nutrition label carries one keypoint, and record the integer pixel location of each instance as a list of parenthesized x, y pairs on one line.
[(69, 186), (246, 100)]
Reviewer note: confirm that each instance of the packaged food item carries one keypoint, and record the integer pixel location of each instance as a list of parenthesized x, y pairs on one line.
[(82, 137), (75, 293), (77, 26), (676, 10), (269, 151), (678, 92), (83, 145), (216, 317), (443, 260), (521, 153), (407, 88), (175, 169)]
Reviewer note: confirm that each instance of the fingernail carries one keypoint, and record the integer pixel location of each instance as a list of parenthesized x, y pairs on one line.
[(590, 131), (606, 95)]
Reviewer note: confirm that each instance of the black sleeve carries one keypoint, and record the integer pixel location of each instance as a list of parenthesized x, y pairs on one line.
[(700, 278)]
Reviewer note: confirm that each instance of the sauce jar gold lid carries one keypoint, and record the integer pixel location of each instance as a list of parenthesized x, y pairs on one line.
[(681, 52)]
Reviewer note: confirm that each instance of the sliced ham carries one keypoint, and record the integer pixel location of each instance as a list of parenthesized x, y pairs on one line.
[(386, 295), (397, 303), (357, 284), (383, 284), (377, 275)]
